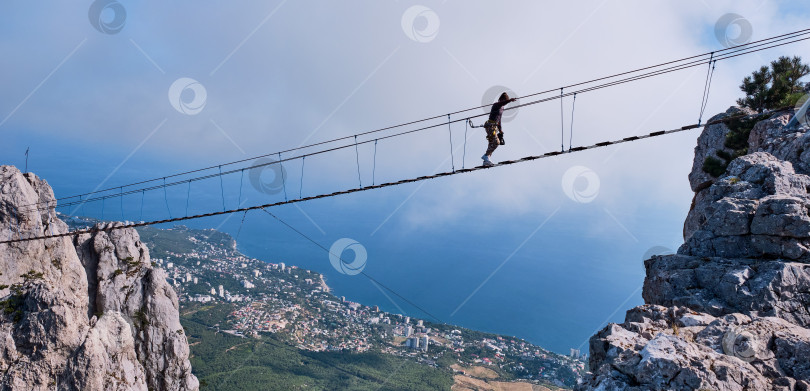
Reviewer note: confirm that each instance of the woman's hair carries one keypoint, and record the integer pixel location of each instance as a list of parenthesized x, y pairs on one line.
[(503, 97)]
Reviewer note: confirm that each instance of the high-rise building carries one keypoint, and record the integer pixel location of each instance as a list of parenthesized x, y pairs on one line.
[(420, 343), (282, 266), (423, 343), (221, 291), (575, 353)]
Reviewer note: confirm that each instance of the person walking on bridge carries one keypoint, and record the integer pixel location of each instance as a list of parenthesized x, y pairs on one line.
[(493, 127)]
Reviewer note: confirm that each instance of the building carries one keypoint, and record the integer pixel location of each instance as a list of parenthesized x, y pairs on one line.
[(575, 353), (418, 342), (213, 291), (256, 273), (247, 284), (281, 266), (221, 291)]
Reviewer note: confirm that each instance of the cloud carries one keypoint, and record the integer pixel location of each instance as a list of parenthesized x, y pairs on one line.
[(315, 73)]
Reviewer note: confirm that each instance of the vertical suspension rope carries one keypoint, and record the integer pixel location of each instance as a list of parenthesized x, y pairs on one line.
[(301, 187), (464, 155), (102, 208), (222, 188), (357, 154), (143, 195), (571, 133), (121, 199), (705, 88), (283, 179), (166, 198), (562, 123), (374, 169), (241, 178), (708, 91), (450, 131), (188, 196)]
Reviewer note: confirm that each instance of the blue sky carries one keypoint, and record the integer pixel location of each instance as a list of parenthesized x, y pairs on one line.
[(94, 109)]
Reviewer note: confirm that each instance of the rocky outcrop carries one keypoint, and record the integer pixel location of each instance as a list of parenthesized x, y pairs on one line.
[(731, 310), (87, 314)]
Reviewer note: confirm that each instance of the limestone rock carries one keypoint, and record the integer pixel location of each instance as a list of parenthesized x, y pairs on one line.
[(71, 320), (720, 286), (711, 140), (757, 210), (731, 310), (660, 348)]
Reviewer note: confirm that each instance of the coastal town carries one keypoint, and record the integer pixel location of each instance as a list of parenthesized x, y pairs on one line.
[(263, 298)]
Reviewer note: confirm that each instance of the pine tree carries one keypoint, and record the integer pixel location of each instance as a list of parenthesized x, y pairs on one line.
[(775, 87)]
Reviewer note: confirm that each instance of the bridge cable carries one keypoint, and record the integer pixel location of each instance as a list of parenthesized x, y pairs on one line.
[(143, 195), (241, 179), (221, 188), (464, 156), (374, 168), (450, 132), (165, 198), (707, 91), (390, 184), (301, 187), (357, 155), (705, 88), (571, 133), (562, 123), (733, 49), (634, 78), (188, 196), (283, 179)]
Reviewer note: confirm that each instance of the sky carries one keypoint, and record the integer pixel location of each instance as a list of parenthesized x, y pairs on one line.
[(108, 93)]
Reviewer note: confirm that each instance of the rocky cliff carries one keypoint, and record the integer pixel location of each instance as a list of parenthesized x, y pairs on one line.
[(731, 310), (82, 313)]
